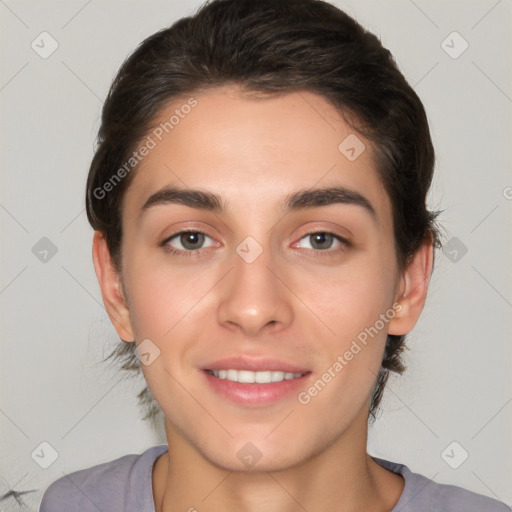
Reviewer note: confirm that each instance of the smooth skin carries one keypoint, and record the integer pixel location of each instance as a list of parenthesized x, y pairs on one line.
[(297, 302)]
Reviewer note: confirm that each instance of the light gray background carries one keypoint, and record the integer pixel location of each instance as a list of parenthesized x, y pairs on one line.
[(54, 328)]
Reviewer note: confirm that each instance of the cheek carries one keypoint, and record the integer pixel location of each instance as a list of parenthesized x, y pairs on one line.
[(352, 356), (166, 308), (356, 305), (162, 296), (352, 297)]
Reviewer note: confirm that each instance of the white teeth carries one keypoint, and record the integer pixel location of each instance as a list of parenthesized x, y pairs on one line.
[(277, 376), (248, 377), (263, 377)]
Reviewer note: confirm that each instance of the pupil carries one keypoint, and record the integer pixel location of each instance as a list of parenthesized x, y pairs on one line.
[(324, 239), (194, 238)]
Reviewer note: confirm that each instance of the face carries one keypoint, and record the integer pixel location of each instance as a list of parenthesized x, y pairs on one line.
[(257, 281)]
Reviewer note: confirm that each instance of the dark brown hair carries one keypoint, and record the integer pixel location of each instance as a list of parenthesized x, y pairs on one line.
[(271, 47)]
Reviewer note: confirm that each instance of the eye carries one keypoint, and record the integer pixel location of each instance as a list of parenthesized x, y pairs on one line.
[(190, 241), (323, 240)]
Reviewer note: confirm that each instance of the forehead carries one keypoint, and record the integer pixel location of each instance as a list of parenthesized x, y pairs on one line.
[(254, 150)]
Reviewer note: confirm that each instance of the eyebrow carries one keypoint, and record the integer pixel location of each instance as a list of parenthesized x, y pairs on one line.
[(302, 199)]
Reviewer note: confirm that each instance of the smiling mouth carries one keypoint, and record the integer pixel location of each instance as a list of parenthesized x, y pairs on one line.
[(249, 377)]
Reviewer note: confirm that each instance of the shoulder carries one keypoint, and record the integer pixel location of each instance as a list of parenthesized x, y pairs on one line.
[(122, 484), (423, 494)]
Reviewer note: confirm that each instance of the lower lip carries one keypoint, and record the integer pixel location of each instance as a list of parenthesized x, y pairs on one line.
[(249, 394)]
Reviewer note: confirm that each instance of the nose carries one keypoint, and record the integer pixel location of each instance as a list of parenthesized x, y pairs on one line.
[(254, 296)]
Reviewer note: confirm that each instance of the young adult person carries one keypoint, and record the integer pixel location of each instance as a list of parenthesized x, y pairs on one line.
[(263, 245)]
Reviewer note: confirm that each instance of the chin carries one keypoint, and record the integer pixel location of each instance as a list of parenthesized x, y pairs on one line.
[(250, 458), (257, 454)]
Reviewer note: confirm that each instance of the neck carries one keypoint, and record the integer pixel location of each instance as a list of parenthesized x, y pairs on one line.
[(343, 477)]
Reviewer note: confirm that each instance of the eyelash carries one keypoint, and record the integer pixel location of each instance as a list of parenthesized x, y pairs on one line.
[(315, 253)]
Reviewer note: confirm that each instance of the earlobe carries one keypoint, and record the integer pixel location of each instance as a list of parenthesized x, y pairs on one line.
[(111, 288), (412, 292)]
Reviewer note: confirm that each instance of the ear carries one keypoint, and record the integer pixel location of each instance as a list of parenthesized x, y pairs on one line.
[(109, 280), (412, 289)]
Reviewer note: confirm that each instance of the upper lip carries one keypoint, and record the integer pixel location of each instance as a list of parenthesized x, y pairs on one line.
[(254, 364)]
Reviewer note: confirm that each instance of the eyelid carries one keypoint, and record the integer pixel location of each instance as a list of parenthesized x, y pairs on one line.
[(340, 238), (186, 227), (334, 231), (167, 239)]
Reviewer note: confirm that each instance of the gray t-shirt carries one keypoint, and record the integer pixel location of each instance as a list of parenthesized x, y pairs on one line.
[(125, 485)]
